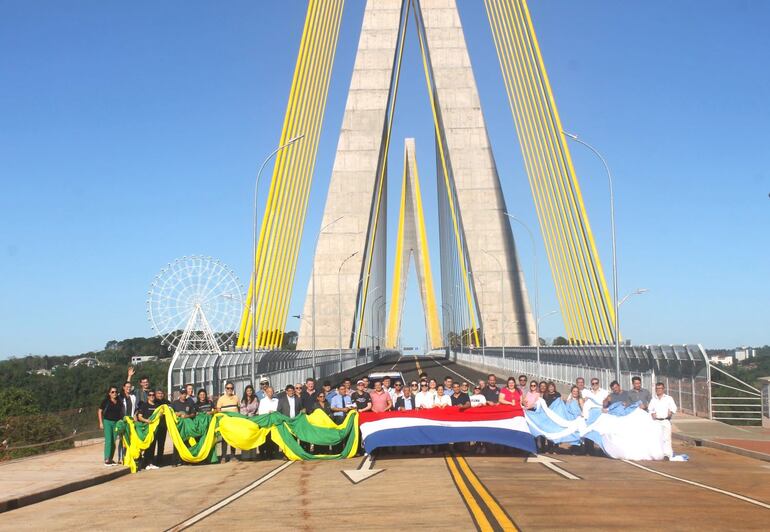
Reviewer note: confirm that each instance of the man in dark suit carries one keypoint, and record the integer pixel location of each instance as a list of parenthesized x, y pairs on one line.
[(289, 405), (406, 401)]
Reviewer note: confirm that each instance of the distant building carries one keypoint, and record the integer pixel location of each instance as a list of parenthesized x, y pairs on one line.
[(84, 361), (139, 359), (725, 360), (45, 372), (744, 353)]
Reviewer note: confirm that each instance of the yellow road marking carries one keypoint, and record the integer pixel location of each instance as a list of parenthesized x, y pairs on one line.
[(494, 507), (478, 514)]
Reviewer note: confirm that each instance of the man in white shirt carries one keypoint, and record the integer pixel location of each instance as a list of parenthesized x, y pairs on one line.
[(396, 391), (478, 399), (424, 398), (596, 394), (269, 403), (662, 408)]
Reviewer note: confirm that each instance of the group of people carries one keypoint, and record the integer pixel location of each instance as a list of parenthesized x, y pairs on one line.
[(141, 402), (660, 406), (381, 395)]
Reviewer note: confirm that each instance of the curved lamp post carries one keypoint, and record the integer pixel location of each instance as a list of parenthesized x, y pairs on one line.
[(614, 249), (637, 292), (537, 285), (339, 305), (502, 293), (254, 257)]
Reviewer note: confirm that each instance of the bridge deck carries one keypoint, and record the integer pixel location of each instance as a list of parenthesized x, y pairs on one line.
[(463, 492)]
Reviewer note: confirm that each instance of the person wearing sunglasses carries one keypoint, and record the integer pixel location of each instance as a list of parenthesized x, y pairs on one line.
[(144, 414), (183, 408), (322, 404), (477, 398), (425, 397), (522, 384), (228, 402), (109, 413), (595, 396), (396, 391), (532, 396)]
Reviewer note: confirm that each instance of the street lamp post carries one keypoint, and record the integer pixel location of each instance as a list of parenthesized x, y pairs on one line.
[(502, 293), (483, 332), (614, 249), (462, 333), (339, 303), (254, 257), (637, 292), (364, 278), (551, 313), (449, 312), (371, 307), (537, 286), (380, 313), (312, 313), (375, 314)]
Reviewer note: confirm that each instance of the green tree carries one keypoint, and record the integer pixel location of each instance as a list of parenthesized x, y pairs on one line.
[(560, 340), (290, 340), (17, 402)]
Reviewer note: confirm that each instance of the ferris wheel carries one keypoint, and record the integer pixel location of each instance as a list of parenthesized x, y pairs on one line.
[(195, 305)]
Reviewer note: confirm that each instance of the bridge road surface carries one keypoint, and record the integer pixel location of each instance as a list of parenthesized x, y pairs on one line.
[(461, 491)]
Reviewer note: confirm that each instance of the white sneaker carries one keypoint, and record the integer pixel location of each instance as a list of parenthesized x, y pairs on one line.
[(150, 467)]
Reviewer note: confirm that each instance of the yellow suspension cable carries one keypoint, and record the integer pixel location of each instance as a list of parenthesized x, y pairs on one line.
[(296, 176), (244, 340), (431, 317), (440, 143), (558, 208), (381, 179), (394, 315), (308, 171), (573, 264), (547, 227), (599, 273)]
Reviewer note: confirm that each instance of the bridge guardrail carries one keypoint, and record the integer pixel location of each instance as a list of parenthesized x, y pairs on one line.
[(280, 367), (684, 369)]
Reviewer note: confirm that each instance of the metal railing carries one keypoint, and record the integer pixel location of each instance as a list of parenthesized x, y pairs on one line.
[(683, 369), (737, 402), (557, 372), (211, 372)]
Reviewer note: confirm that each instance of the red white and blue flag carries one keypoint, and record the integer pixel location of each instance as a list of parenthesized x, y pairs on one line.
[(500, 424)]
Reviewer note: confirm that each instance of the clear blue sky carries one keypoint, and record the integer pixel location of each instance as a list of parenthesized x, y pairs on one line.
[(130, 133)]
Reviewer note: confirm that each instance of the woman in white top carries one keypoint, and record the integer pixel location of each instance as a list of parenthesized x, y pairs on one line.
[(442, 400), (432, 387)]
